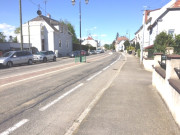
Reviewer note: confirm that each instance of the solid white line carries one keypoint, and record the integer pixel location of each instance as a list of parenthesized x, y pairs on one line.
[(94, 76), (106, 68), (16, 126), (77, 122), (59, 98)]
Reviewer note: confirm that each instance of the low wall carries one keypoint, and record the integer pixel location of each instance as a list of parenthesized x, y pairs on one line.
[(167, 84), (148, 63)]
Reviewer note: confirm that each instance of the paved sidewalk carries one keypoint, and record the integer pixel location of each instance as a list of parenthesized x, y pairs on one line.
[(131, 106)]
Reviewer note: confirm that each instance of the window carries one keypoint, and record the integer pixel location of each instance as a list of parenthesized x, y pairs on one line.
[(59, 43)]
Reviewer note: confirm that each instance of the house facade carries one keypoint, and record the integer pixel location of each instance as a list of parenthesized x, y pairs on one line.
[(45, 34), (90, 41), (155, 21), (119, 44)]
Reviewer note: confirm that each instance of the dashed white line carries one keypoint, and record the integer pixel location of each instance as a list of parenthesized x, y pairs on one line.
[(13, 128), (59, 98), (94, 76)]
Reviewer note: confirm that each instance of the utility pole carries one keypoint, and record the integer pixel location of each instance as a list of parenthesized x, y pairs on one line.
[(45, 6), (20, 13)]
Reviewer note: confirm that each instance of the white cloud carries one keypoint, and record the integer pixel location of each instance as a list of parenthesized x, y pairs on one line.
[(8, 30), (103, 35), (91, 29)]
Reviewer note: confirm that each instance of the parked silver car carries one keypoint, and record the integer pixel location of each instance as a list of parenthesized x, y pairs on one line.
[(16, 57), (44, 56)]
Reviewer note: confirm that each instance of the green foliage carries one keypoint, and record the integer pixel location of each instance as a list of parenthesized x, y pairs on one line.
[(130, 48), (133, 44), (17, 30), (112, 46), (72, 30), (15, 40), (2, 37), (137, 46), (177, 44), (107, 46), (162, 41), (83, 47), (126, 44), (138, 51)]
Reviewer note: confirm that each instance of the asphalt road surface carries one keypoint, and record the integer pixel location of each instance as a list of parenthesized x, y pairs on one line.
[(47, 98)]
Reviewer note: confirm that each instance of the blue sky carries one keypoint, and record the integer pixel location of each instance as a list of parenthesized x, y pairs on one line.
[(101, 19)]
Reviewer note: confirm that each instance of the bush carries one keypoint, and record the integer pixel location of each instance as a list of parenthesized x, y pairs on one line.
[(138, 51)]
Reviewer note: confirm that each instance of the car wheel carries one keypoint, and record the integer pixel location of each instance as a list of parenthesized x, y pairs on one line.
[(45, 59), (54, 59), (9, 64), (30, 62)]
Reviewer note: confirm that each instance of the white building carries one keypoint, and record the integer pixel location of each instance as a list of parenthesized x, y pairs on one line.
[(155, 21), (45, 33), (119, 45), (90, 41)]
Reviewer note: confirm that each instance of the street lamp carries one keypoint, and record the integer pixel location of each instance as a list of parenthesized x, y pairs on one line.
[(73, 3), (20, 14)]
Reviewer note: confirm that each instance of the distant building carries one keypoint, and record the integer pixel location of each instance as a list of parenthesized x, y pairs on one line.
[(119, 44), (45, 33), (90, 41)]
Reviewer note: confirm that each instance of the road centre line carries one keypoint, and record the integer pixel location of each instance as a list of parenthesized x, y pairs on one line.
[(61, 97), (94, 76), (13, 128)]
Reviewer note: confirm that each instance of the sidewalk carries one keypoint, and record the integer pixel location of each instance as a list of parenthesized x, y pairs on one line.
[(131, 106)]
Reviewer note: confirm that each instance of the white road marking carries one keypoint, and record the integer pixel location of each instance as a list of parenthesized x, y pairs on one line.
[(77, 122), (16, 126), (61, 97), (106, 68), (37, 76), (94, 76)]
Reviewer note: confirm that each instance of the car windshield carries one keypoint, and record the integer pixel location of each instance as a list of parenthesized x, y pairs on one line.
[(7, 54), (45, 53), (39, 53)]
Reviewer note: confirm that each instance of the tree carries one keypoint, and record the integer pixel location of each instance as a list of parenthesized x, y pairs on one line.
[(2, 37), (72, 30), (117, 35), (107, 46), (177, 44), (17, 30), (162, 41), (137, 46), (113, 45), (126, 44)]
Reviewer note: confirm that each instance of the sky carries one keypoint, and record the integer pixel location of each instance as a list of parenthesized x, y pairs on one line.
[(101, 19)]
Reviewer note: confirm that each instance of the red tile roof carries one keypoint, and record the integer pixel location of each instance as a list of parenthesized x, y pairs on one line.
[(121, 38), (176, 4), (90, 38)]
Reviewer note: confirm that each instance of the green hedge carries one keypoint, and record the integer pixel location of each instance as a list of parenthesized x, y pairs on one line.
[(83, 47)]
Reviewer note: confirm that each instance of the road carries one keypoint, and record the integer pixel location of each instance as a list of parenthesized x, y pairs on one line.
[(48, 98)]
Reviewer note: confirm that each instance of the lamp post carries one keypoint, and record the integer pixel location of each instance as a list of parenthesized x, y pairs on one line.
[(73, 3), (20, 14)]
